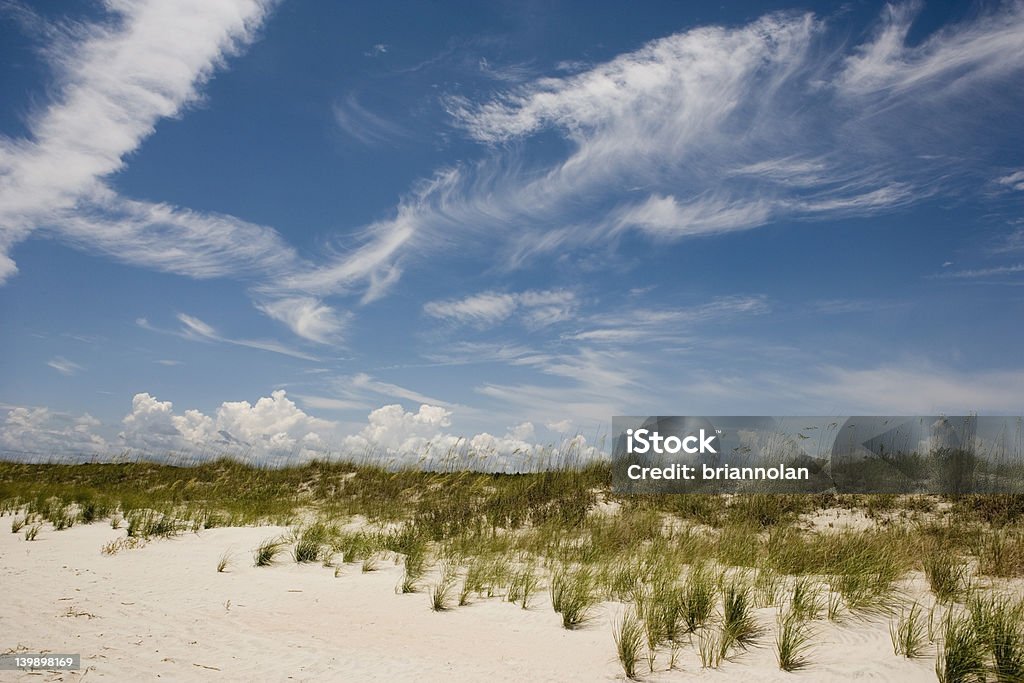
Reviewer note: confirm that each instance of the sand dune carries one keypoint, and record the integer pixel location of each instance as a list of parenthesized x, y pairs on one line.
[(163, 611)]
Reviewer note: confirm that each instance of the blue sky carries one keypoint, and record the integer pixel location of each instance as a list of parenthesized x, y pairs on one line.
[(298, 228)]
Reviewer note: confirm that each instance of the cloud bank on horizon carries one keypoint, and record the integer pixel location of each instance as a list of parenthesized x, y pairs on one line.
[(477, 231)]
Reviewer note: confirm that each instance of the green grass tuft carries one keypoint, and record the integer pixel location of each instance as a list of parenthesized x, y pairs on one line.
[(908, 633), (629, 640), (961, 657), (224, 562), (806, 601), (572, 595), (415, 567), (946, 575), (999, 622), (266, 552), (738, 623), (440, 593), (699, 598), (792, 642)]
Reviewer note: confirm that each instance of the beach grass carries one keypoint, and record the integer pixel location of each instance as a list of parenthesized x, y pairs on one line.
[(224, 562), (961, 656), (572, 595), (792, 642), (267, 552), (441, 592), (738, 622), (628, 633), (688, 572), (908, 634)]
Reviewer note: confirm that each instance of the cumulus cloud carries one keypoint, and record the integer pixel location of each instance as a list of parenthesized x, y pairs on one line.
[(424, 437), (273, 429), (39, 434), (393, 429), (560, 427)]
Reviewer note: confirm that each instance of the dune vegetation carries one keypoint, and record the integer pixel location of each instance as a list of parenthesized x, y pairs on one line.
[(715, 575)]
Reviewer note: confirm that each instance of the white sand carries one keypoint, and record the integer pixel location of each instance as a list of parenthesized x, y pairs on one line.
[(162, 611)]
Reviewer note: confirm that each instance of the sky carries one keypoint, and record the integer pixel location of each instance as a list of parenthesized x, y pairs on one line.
[(297, 230)]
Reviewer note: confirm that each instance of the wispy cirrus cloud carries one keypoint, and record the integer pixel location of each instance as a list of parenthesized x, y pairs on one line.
[(909, 388), (1013, 181), (115, 80), (973, 273), (365, 126), (195, 329), (534, 307), (363, 382), (64, 366), (673, 325), (467, 353), (706, 131), (987, 48), (172, 239), (308, 318), (363, 391), (1014, 242), (701, 132)]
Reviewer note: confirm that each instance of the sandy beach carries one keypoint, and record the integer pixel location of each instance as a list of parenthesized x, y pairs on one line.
[(163, 611)]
